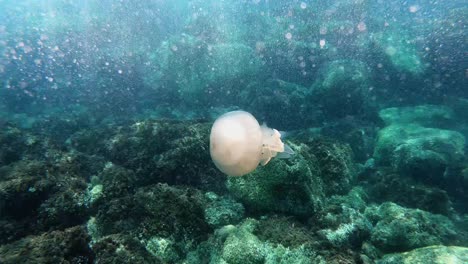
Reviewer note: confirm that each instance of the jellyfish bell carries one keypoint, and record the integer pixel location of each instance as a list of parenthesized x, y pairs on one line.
[(238, 144)]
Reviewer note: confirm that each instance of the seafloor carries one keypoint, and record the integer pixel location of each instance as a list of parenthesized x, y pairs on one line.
[(104, 132)]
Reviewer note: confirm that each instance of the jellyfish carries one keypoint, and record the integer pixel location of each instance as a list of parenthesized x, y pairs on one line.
[(238, 144)]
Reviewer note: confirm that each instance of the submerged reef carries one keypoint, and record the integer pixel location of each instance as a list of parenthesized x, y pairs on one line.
[(148, 191)]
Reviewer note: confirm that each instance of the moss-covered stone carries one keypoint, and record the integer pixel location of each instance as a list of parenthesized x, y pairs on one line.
[(419, 136)]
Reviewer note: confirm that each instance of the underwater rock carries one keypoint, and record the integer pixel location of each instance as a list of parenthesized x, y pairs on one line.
[(44, 190), (424, 142), (222, 211), (22, 190), (336, 164), (32, 201), (116, 181), (359, 135), (284, 230), (286, 185), (159, 222), (299, 184), (278, 103), (230, 244), (174, 152), (64, 246), (428, 255), (163, 249), (122, 248), (407, 192), (59, 124), (156, 210), (399, 50), (241, 246), (400, 229), (343, 221), (424, 153), (459, 106), (437, 116), (342, 89), (238, 244), (13, 143)]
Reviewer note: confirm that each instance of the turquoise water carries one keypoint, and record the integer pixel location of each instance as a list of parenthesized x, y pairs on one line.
[(354, 150)]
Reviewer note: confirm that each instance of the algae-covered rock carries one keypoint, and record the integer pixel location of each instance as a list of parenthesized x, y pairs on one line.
[(437, 116), (238, 244), (407, 192), (32, 201), (162, 248), (343, 221), (342, 89), (423, 142), (337, 167), (399, 229), (400, 51), (284, 185), (12, 144), (221, 211), (241, 246), (422, 152), (165, 151), (429, 255), (299, 184), (279, 103), (284, 230), (64, 246), (122, 248), (230, 244), (158, 223), (159, 210)]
